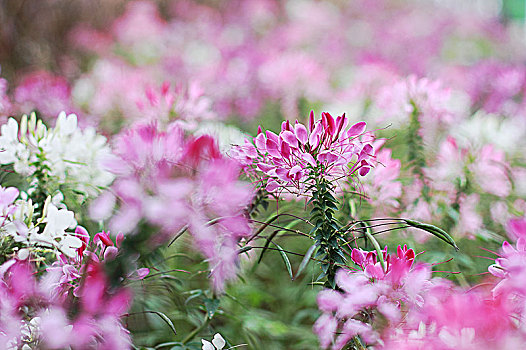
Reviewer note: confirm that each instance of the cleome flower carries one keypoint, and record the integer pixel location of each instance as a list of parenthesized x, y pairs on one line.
[(90, 318), (64, 154), (20, 222), (288, 161), (177, 182), (370, 295)]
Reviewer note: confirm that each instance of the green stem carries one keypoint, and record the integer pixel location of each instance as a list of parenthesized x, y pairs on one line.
[(196, 331), (326, 231)]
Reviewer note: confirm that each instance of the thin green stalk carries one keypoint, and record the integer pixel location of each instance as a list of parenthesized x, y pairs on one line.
[(196, 331)]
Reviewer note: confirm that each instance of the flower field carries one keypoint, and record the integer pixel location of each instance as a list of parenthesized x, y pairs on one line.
[(262, 174)]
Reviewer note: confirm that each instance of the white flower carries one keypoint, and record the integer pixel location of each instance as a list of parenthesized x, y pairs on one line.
[(66, 125), (66, 153), (24, 228), (12, 151), (58, 220), (218, 343)]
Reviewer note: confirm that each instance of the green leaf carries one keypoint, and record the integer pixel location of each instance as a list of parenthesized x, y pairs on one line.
[(267, 243), (194, 294), (376, 246), (286, 260), (305, 260), (174, 344), (165, 319), (435, 231)]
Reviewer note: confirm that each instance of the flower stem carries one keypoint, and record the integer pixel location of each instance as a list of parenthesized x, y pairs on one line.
[(326, 231), (196, 331)]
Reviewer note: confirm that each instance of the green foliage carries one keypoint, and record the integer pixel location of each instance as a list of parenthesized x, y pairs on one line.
[(326, 229)]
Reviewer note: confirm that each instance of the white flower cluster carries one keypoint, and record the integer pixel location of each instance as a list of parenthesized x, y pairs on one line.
[(65, 153), (18, 221)]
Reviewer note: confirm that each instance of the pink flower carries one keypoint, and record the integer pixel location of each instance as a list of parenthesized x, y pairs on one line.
[(452, 318), (370, 290), (102, 238), (7, 198), (470, 221), (510, 269), (175, 182), (495, 86), (517, 228), (382, 186), (41, 90), (6, 107), (286, 162), (428, 97), (490, 170)]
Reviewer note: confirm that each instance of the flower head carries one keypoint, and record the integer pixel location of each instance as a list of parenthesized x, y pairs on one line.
[(288, 161)]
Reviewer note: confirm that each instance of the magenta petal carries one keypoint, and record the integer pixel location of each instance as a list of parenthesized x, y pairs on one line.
[(272, 136), (358, 256), (329, 300), (356, 129), (497, 271), (374, 271), (507, 248), (314, 138), (295, 169), (260, 141), (309, 159), (285, 149), (283, 174), (272, 148), (8, 195), (272, 186), (301, 133), (289, 138), (325, 327), (265, 167), (364, 170), (143, 272)]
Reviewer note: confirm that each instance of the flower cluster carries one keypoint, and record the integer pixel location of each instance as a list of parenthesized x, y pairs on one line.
[(20, 222), (398, 304), (374, 292), (72, 268), (91, 319), (175, 183), (63, 155), (161, 79), (290, 160)]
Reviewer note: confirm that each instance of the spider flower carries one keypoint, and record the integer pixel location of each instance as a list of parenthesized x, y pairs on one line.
[(509, 268), (89, 319), (289, 161), (174, 183), (370, 294), (66, 154)]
